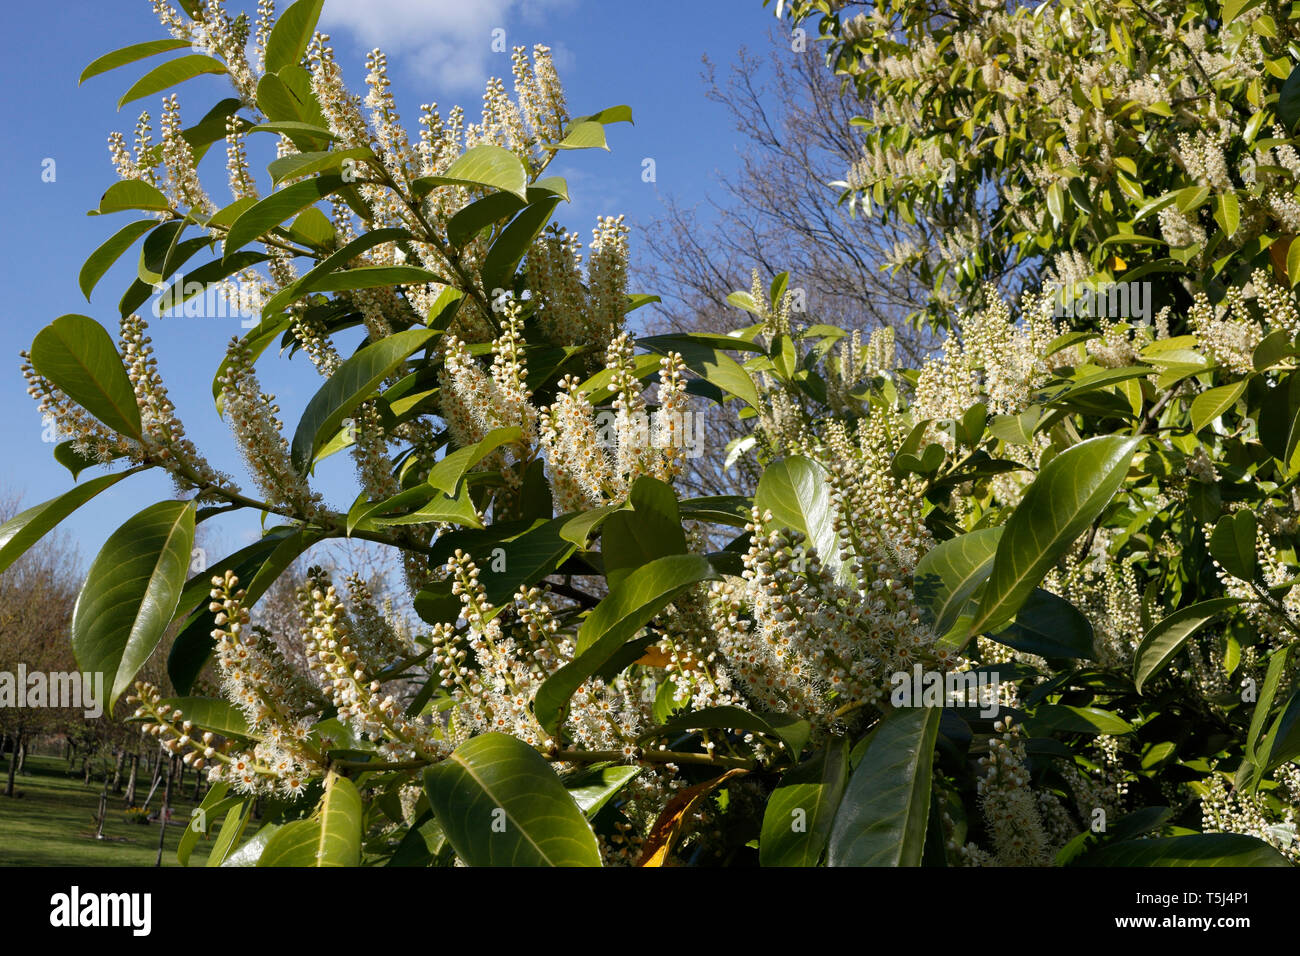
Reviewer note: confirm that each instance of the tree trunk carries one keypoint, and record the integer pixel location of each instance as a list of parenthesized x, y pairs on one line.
[(157, 776), (130, 780), (198, 784), (15, 741), (117, 771), (22, 755), (166, 808), (103, 809)]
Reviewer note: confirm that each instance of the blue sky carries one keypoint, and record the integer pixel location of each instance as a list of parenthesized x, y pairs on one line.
[(608, 52)]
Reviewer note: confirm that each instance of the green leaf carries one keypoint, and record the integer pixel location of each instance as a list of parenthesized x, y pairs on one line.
[(214, 804), (66, 455), (210, 713), (1069, 493), (480, 214), (595, 786), (1193, 849), (710, 363), (485, 166), (307, 164), (353, 382), (582, 135), (232, 828), (373, 277), (332, 838), (1282, 743), (169, 74), (292, 32), (508, 250), (796, 492), (1209, 405), (949, 574), (1288, 111), (250, 852), (1167, 637), (1277, 662), (76, 354), (1228, 213), (102, 259), (500, 804), (328, 265), (616, 620), (1016, 429), (132, 194), (131, 592), (1064, 718), (652, 529), (1232, 544), (579, 528), (1048, 626), (266, 214), (793, 732), (130, 54), (23, 530), (448, 472), (882, 819), (801, 811)]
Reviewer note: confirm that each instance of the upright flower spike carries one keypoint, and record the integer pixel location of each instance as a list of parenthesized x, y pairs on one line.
[(252, 415), (164, 435)]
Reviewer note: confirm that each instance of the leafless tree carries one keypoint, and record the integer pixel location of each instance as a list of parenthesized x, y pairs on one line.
[(778, 212)]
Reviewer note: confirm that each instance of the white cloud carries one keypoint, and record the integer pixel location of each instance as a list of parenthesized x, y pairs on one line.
[(446, 41)]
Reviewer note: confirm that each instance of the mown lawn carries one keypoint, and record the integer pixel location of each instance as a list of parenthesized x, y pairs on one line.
[(53, 824)]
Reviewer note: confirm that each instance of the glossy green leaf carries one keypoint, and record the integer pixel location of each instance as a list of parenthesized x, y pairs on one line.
[(616, 620), (1065, 718), (292, 32), (267, 213), (251, 851), (26, 528), (132, 194), (796, 492), (210, 713), (352, 383), (593, 787), (297, 165), (1049, 626), (330, 838), (651, 529), (171, 73), (1232, 544), (800, 812), (950, 573), (102, 259), (1194, 849), (76, 354), (508, 250), (1163, 641), (484, 166), (130, 54), (500, 804), (883, 816), (1069, 493), (131, 592), (215, 805), (329, 265), (1288, 106), (1209, 405), (793, 732)]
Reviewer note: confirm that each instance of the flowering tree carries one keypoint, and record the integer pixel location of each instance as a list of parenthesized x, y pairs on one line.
[(969, 614)]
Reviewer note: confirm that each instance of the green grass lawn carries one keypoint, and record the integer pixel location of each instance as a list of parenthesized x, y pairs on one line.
[(53, 824)]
